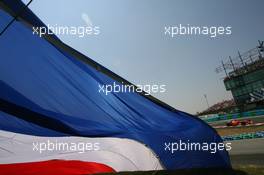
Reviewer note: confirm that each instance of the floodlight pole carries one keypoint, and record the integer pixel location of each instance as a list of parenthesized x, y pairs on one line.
[(241, 59), (232, 63), (224, 68), (205, 96)]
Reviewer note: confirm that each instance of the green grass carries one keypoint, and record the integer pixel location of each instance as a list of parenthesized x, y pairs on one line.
[(251, 169)]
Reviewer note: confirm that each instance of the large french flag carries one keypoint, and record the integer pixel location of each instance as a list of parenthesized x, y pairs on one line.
[(49, 94)]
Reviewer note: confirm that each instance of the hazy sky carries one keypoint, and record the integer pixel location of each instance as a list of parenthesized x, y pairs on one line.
[(132, 43)]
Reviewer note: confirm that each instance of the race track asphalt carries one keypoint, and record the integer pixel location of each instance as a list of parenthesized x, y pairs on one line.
[(247, 152)]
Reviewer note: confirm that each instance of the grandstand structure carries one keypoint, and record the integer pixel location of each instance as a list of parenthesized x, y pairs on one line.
[(244, 77)]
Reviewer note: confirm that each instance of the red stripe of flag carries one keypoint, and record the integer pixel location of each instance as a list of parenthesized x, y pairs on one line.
[(51, 167)]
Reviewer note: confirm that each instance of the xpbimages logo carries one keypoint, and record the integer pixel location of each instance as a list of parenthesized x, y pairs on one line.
[(173, 147), (183, 30), (80, 31), (123, 88), (56, 145)]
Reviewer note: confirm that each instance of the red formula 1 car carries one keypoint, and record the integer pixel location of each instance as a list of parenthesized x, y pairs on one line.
[(233, 123), (246, 122), (237, 122)]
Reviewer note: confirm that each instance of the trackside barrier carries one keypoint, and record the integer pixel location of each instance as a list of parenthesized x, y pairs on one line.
[(234, 116), (253, 135)]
